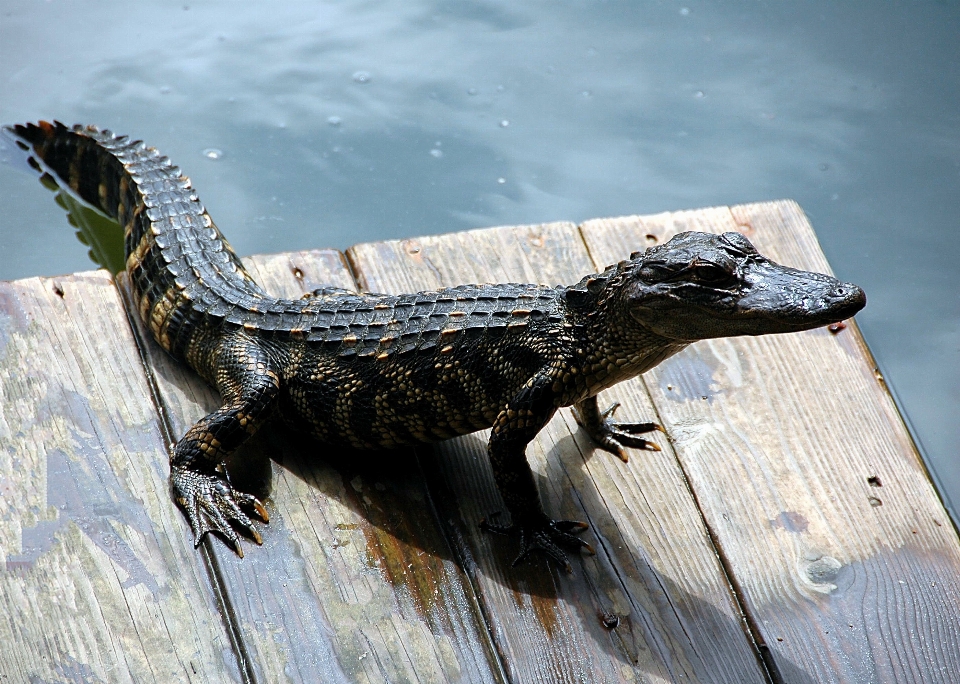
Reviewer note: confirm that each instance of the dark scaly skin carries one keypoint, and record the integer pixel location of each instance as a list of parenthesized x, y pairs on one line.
[(376, 371)]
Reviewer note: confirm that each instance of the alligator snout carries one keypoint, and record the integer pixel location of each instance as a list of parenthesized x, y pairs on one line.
[(846, 300), (783, 299)]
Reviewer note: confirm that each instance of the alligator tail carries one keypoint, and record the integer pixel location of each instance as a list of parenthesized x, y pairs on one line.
[(180, 266)]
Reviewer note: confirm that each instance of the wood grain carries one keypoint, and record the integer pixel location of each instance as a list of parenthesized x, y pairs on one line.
[(354, 582), (656, 581), (809, 482), (97, 581)]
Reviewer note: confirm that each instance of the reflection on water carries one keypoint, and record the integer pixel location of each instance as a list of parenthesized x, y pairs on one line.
[(324, 125), (103, 236)]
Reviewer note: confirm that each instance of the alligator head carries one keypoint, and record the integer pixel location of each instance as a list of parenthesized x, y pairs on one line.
[(699, 285)]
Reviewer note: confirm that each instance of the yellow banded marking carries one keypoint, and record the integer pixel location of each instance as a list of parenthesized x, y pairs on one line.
[(160, 317), (144, 308), (136, 256)]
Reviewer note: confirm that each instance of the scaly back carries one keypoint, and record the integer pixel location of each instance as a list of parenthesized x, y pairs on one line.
[(186, 278)]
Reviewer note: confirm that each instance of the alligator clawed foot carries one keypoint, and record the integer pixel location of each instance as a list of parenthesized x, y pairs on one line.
[(210, 503), (613, 436), (544, 536)]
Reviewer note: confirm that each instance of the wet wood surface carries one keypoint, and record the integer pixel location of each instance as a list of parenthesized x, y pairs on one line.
[(787, 531), (98, 582)]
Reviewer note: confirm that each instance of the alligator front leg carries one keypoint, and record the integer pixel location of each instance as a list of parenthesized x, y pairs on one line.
[(248, 386), (516, 425), (609, 434)]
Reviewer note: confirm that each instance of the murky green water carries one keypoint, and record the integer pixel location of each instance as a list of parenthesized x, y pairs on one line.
[(318, 124)]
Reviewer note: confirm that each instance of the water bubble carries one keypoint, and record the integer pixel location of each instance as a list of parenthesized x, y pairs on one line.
[(212, 153), (231, 99), (472, 91), (164, 90), (500, 88), (586, 94), (504, 123), (438, 144), (362, 76), (501, 181), (699, 94), (334, 120), (684, 11), (435, 153), (823, 167)]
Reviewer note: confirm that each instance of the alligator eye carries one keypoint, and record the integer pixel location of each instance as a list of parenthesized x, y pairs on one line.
[(654, 273), (709, 275)]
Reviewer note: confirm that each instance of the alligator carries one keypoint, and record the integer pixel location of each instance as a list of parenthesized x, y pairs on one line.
[(375, 371)]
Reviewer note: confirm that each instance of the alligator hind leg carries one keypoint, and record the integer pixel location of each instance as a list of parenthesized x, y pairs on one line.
[(249, 385)]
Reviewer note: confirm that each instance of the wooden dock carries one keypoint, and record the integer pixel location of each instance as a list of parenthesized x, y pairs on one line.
[(787, 532)]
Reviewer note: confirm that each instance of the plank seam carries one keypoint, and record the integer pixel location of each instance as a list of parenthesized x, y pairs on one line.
[(353, 266), (213, 572), (458, 545), (750, 629), (496, 656), (612, 560)]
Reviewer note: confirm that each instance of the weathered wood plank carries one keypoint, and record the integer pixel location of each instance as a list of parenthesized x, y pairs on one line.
[(808, 480), (354, 582), (98, 583), (656, 575)]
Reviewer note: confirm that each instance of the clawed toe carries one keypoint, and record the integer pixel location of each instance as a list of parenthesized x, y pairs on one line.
[(639, 428), (210, 503), (613, 436)]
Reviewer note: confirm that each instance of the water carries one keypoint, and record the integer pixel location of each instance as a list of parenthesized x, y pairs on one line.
[(309, 126)]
